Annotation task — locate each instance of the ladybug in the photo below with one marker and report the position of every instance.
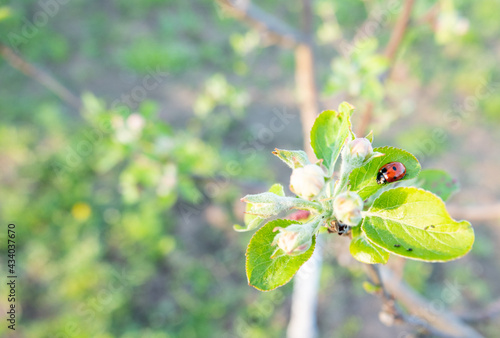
(391, 172)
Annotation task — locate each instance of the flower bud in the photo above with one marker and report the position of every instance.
(299, 215)
(360, 148)
(347, 207)
(307, 181)
(293, 240)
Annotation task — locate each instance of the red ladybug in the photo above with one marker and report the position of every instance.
(391, 172)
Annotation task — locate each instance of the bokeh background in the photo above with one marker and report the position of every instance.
(124, 184)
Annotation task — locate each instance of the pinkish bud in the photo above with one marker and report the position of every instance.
(299, 215)
(360, 148)
(307, 181)
(293, 240)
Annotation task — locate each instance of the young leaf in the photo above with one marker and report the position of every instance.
(438, 182)
(363, 180)
(364, 251)
(414, 223)
(329, 133)
(293, 158)
(253, 221)
(369, 137)
(268, 204)
(264, 273)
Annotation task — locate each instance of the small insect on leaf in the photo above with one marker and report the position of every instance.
(391, 172)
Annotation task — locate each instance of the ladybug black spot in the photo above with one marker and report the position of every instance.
(384, 170)
(394, 168)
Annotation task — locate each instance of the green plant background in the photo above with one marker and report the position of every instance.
(102, 254)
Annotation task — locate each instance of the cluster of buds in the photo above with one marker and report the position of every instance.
(307, 181)
(347, 208)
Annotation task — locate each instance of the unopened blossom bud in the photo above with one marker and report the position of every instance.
(360, 148)
(347, 207)
(307, 181)
(299, 215)
(293, 240)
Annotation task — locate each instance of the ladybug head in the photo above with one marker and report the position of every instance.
(381, 178)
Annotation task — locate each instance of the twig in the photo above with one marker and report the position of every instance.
(392, 312)
(399, 31)
(492, 311)
(305, 81)
(366, 119)
(477, 213)
(305, 292)
(305, 296)
(440, 320)
(431, 16)
(306, 92)
(279, 32)
(45, 79)
(390, 51)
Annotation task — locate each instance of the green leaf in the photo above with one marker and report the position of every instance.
(363, 180)
(411, 218)
(5, 12)
(329, 134)
(437, 181)
(364, 251)
(264, 273)
(371, 288)
(293, 158)
(253, 221)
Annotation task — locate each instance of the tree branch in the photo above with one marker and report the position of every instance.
(305, 81)
(477, 213)
(305, 296)
(390, 51)
(399, 31)
(306, 91)
(305, 290)
(392, 313)
(431, 16)
(439, 322)
(487, 314)
(366, 119)
(279, 32)
(45, 79)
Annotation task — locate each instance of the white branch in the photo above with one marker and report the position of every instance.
(305, 296)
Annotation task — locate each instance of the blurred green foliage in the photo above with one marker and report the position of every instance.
(109, 210)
